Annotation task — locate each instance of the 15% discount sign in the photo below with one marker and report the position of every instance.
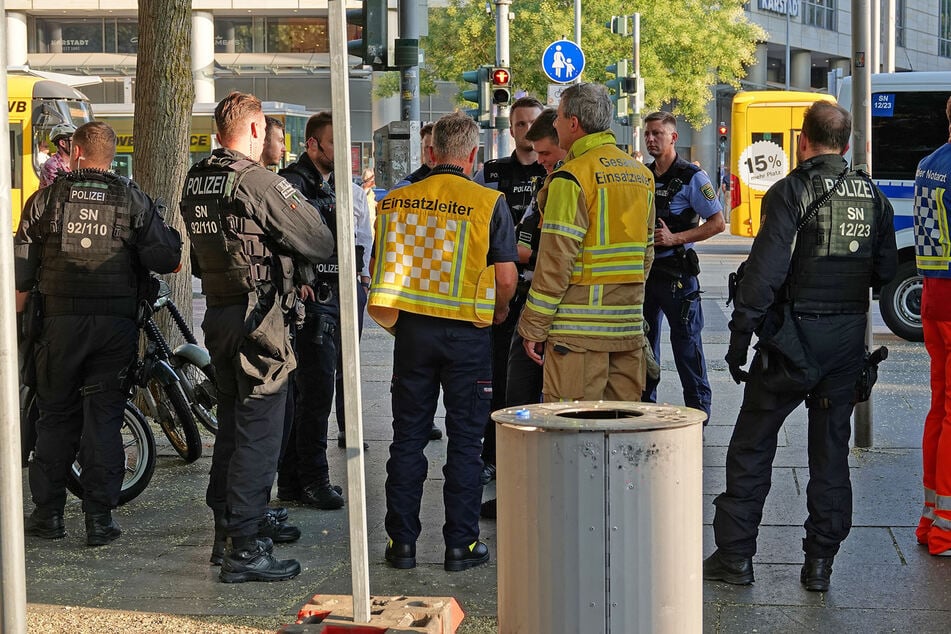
(762, 164)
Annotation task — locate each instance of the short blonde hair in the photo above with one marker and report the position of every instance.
(234, 111)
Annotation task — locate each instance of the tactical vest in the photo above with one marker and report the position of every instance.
(668, 186)
(518, 192)
(432, 245)
(84, 254)
(833, 260)
(228, 246)
(618, 190)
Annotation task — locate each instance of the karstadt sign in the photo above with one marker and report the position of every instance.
(779, 6)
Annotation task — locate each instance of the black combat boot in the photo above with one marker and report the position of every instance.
(733, 569)
(220, 544)
(475, 554)
(46, 524)
(250, 559)
(322, 496)
(101, 529)
(816, 574)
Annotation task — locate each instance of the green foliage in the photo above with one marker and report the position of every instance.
(686, 47)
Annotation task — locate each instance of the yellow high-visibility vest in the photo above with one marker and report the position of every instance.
(432, 240)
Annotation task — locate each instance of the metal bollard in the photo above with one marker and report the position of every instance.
(599, 518)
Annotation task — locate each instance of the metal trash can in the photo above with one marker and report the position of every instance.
(599, 518)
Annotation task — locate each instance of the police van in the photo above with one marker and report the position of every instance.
(908, 123)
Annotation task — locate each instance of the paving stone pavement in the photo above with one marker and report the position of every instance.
(883, 581)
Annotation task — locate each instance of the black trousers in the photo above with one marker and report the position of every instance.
(88, 353)
(501, 337)
(250, 424)
(305, 459)
(431, 352)
(838, 342)
(340, 396)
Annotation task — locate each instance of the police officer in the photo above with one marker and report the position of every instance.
(824, 272)
(304, 474)
(86, 242)
(249, 230)
(518, 177)
(684, 197)
(438, 305)
(523, 382)
(584, 308)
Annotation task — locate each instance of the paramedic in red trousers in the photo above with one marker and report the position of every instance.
(584, 308)
(685, 196)
(444, 270)
(823, 271)
(933, 256)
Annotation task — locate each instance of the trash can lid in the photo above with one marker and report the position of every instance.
(599, 416)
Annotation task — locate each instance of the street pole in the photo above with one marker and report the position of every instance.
(876, 37)
(578, 25)
(502, 17)
(409, 76)
(12, 558)
(350, 350)
(787, 46)
(862, 159)
(889, 36)
(639, 93)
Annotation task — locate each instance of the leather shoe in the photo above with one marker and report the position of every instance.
(730, 568)
(278, 512)
(475, 554)
(322, 496)
(400, 556)
(220, 546)
(101, 529)
(816, 574)
(488, 474)
(342, 442)
(279, 532)
(46, 525)
(250, 560)
(435, 433)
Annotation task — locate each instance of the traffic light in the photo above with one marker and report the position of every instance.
(722, 130)
(623, 91)
(619, 25)
(501, 86)
(370, 22)
(480, 94)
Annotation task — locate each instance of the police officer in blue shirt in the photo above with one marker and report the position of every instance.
(684, 196)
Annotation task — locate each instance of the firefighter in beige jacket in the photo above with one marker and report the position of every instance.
(582, 320)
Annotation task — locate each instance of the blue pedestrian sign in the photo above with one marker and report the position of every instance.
(563, 61)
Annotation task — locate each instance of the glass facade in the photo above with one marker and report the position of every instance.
(86, 35)
(944, 28)
(275, 35)
(819, 13)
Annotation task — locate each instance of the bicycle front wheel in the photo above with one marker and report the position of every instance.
(174, 415)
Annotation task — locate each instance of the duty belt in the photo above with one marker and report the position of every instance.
(109, 306)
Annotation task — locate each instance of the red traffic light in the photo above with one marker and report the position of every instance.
(501, 77)
(722, 130)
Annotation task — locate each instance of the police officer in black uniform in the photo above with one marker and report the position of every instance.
(304, 475)
(86, 242)
(824, 272)
(518, 177)
(250, 230)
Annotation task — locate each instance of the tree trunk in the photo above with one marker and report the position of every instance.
(164, 95)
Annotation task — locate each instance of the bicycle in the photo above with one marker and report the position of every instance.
(138, 443)
(178, 385)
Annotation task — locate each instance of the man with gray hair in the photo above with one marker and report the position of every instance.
(584, 308)
(445, 270)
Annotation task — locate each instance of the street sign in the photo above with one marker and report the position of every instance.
(563, 61)
(554, 94)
